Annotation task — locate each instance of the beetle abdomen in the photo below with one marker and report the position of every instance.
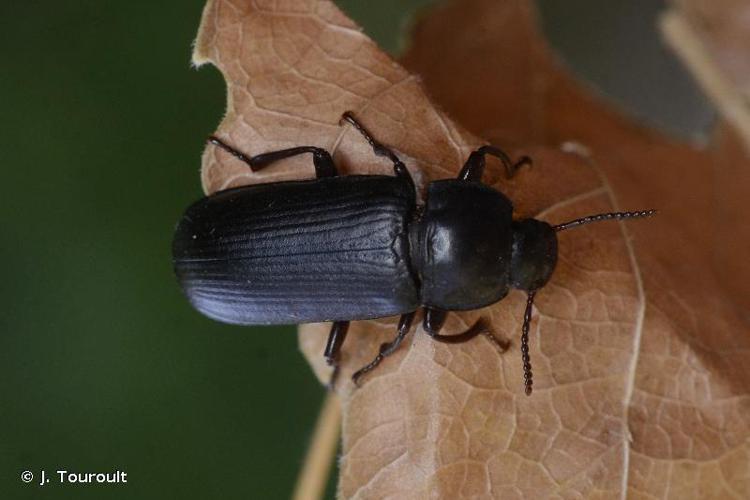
(294, 252)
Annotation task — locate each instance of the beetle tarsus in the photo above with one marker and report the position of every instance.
(404, 326)
(473, 169)
(501, 344)
(322, 160)
(480, 326)
(332, 352)
(521, 162)
(331, 385)
(398, 166)
(377, 147)
(212, 139)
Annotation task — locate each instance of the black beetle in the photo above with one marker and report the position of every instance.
(358, 247)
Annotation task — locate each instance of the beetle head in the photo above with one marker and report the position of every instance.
(533, 259)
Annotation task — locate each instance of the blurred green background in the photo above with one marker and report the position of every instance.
(104, 365)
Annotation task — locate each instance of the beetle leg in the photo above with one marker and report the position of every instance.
(433, 322)
(434, 319)
(332, 353)
(404, 325)
(324, 166)
(377, 148)
(398, 166)
(474, 166)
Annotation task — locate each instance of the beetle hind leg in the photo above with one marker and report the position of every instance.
(474, 166)
(404, 325)
(336, 338)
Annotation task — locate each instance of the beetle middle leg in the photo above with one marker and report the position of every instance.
(474, 166)
(434, 319)
(322, 160)
(336, 338)
(398, 166)
(404, 325)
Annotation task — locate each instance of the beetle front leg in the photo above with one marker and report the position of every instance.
(322, 160)
(404, 325)
(474, 166)
(435, 318)
(336, 338)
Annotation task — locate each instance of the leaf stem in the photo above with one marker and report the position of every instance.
(316, 468)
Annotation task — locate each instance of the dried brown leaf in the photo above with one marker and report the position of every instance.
(641, 385)
(713, 40)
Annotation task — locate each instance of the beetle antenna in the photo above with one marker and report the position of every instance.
(601, 217)
(527, 375)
